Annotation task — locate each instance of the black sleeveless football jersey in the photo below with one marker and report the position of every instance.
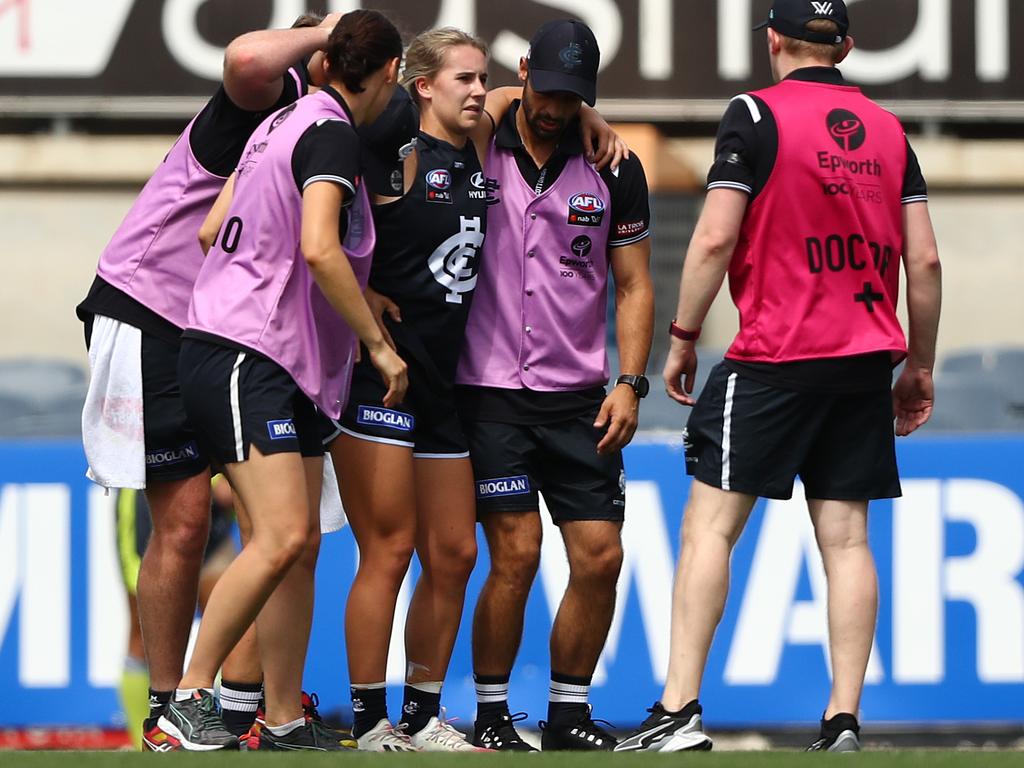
(429, 244)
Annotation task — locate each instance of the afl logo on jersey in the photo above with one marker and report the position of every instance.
(439, 184)
(586, 210)
(846, 130)
(455, 262)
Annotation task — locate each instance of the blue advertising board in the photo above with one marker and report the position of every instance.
(949, 646)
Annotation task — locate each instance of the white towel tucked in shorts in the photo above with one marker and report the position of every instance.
(112, 426)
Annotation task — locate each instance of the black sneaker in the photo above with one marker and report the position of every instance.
(500, 734)
(582, 735)
(310, 702)
(840, 733)
(310, 737)
(664, 732)
(196, 724)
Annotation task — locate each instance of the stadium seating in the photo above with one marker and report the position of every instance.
(980, 390)
(41, 398)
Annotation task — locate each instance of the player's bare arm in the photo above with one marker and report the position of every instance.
(215, 218)
(256, 62)
(634, 324)
(707, 261)
(322, 250)
(914, 392)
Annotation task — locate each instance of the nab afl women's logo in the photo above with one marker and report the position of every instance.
(846, 130)
(586, 210)
(439, 183)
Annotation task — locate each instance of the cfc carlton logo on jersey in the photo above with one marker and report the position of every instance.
(586, 210)
(454, 263)
(439, 184)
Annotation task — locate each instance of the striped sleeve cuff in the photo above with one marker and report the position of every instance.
(731, 185)
(335, 179)
(629, 240)
(914, 199)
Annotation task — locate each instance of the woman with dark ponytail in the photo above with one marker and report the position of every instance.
(272, 328)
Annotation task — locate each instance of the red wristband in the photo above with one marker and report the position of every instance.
(679, 333)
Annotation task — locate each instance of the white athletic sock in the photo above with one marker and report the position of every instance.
(284, 730)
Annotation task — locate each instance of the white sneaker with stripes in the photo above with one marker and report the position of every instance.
(439, 736)
(384, 737)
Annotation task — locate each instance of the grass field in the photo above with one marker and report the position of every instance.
(895, 759)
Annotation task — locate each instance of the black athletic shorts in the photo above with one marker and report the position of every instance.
(427, 421)
(512, 463)
(173, 451)
(237, 399)
(752, 438)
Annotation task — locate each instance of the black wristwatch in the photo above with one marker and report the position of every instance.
(639, 384)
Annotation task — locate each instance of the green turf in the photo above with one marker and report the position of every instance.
(923, 759)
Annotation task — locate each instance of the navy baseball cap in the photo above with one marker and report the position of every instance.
(790, 18)
(564, 56)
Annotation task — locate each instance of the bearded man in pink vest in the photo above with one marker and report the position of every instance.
(533, 373)
(814, 198)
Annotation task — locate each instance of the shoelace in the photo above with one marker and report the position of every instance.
(311, 710)
(505, 726)
(445, 734)
(209, 718)
(394, 732)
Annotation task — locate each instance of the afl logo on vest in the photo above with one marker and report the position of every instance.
(439, 183)
(846, 130)
(586, 210)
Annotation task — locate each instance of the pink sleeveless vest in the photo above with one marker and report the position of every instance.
(815, 273)
(255, 288)
(538, 319)
(154, 256)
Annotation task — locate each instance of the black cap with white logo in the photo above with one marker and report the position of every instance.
(564, 56)
(790, 18)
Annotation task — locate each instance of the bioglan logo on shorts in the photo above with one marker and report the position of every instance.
(502, 486)
(385, 417)
(282, 429)
(165, 457)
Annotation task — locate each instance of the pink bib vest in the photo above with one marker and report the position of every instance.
(154, 256)
(255, 288)
(815, 273)
(538, 319)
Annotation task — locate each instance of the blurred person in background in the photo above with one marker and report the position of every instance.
(134, 315)
(275, 315)
(133, 531)
(814, 198)
(533, 372)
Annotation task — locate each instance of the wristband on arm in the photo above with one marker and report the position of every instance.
(680, 333)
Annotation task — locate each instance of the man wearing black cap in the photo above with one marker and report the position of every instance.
(533, 373)
(813, 199)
